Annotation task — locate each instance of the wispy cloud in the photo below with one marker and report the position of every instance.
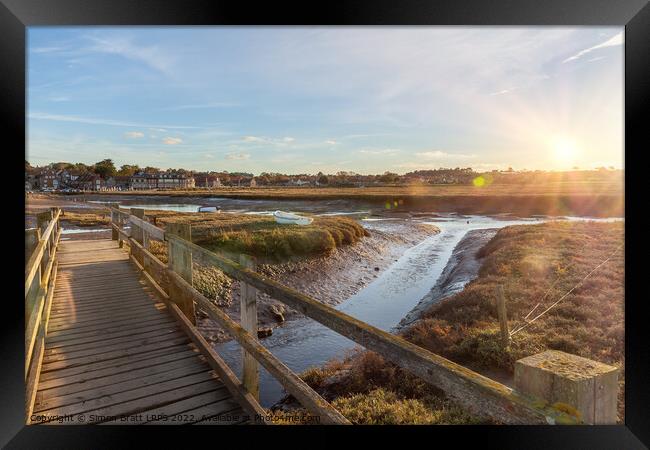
(152, 56)
(172, 141)
(383, 151)
(438, 154)
(134, 134)
(201, 106)
(96, 121)
(613, 41)
(331, 142)
(238, 156)
(253, 139)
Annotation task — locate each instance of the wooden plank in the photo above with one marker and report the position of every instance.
(309, 398)
(118, 353)
(478, 394)
(33, 374)
(96, 322)
(187, 407)
(153, 231)
(224, 412)
(114, 378)
(120, 387)
(90, 370)
(84, 319)
(70, 305)
(108, 351)
(147, 397)
(248, 308)
(106, 330)
(124, 336)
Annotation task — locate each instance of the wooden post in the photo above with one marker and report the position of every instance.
(503, 318)
(115, 235)
(32, 236)
(136, 231)
(585, 388)
(248, 302)
(180, 261)
(42, 221)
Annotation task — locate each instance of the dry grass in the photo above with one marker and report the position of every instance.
(87, 218)
(261, 236)
(537, 196)
(528, 261)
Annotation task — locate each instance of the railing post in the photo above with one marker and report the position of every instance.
(503, 318)
(42, 221)
(136, 231)
(248, 302)
(32, 236)
(115, 235)
(180, 261)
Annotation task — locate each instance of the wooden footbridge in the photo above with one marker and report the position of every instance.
(111, 337)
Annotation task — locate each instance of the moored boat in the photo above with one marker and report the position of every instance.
(209, 209)
(289, 218)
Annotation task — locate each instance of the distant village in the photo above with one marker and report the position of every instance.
(104, 176)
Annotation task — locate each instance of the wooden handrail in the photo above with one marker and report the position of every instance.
(35, 259)
(38, 307)
(475, 392)
(291, 382)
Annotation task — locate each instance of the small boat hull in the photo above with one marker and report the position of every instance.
(291, 219)
(214, 209)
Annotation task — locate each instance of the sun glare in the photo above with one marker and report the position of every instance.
(565, 151)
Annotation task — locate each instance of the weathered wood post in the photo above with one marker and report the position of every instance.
(180, 261)
(582, 387)
(503, 317)
(136, 231)
(115, 218)
(42, 221)
(32, 236)
(248, 303)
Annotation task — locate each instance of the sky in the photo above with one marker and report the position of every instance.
(310, 99)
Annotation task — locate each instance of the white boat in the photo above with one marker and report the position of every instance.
(288, 218)
(209, 209)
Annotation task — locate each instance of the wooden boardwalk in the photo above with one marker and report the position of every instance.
(112, 349)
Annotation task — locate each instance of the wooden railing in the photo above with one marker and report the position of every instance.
(478, 394)
(40, 276)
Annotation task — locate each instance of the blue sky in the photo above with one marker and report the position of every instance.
(309, 99)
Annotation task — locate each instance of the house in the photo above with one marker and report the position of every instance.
(162, 180)
(88, 181)
(252, 183)
(49, 178)
(207, 181)
(119, 183)
(68, 177)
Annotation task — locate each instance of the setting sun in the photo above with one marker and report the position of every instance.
(565, 151)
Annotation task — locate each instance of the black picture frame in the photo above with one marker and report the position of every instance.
(16, 15)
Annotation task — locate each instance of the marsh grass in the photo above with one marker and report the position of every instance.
(529, 262)
(261, 236)
(89, 218)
